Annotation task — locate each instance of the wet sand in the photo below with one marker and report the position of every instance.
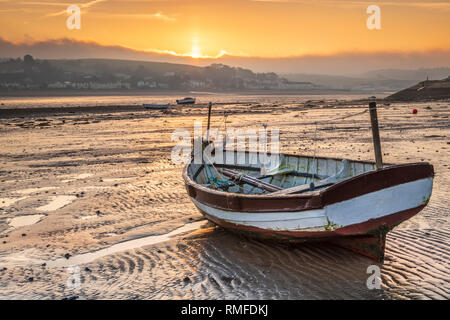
(95, 189)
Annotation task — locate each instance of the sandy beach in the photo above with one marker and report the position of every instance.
(91, 206)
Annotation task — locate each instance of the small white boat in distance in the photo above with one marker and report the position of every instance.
(155, 106)
(186, 101)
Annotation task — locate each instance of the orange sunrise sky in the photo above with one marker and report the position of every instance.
(265, 28)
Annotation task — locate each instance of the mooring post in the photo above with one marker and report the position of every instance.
(375, 134)
(209, 121)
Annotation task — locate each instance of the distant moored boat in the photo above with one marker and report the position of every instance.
(186, 101)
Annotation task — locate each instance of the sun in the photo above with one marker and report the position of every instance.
(196, 51)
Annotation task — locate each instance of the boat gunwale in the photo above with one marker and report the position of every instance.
(316, 193)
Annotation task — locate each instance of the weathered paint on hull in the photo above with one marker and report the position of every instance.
(338, 215)
(366, 238)
(348, 189)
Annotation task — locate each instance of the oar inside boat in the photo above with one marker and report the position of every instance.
(244, 178)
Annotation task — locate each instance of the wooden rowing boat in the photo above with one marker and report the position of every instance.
(186, 101)
(350, 203)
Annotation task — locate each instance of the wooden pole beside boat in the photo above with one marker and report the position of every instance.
(209, 121)
(375, 134)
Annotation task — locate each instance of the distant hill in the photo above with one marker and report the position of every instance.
(425, 90)
(111, 74)
(351, 83)
(28, 73)
(408, 74)
(376, 80)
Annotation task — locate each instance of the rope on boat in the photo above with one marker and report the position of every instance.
(349, 115)
(218, 182)
(342, 117)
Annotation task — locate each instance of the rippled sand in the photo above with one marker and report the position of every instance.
(114, 205)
